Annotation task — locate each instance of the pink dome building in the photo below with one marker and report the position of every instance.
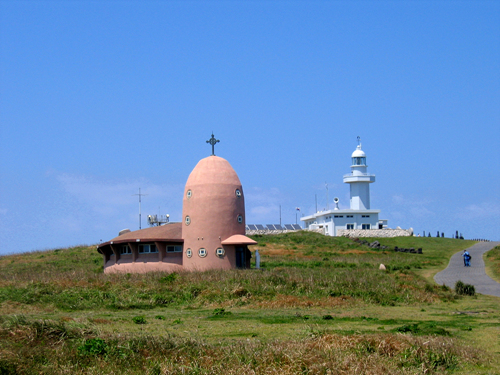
(213, 214)
(211, 235)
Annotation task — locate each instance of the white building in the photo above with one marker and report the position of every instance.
(359, 215)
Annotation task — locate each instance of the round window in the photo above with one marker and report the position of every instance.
(189, 193)
(189, 253)
(220, 252)
(240, 219)
(202, 253)
(238, 193)
(187, 220)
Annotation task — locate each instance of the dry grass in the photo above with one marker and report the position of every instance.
(277, 322)
(383, 353)
(492, 262)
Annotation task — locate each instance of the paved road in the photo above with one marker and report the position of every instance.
(474, 275)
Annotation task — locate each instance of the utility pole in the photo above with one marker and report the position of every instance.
(140, 195)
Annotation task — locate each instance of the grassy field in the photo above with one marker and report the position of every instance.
(492, 262)
(319, 305)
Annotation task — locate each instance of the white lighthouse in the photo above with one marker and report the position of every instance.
(359, 180)
(359, 215)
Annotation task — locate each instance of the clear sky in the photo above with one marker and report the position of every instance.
(101, 98)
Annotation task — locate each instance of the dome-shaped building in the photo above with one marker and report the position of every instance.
(213, 212)
(210, 236)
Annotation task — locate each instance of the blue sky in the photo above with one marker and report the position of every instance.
(101, 98)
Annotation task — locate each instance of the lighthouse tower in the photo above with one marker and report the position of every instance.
(359, 180)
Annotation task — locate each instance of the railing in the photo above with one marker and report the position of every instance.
(359, 175)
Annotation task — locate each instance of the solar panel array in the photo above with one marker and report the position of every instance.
(270, 227)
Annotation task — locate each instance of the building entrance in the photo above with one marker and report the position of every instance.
(243, 256)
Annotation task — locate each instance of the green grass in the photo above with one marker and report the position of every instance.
(319, 303)
(492, 262)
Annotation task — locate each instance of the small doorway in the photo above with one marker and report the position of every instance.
(242, 257)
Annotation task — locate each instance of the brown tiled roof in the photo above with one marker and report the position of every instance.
(169, 232)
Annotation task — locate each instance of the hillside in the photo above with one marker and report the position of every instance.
(318, 304)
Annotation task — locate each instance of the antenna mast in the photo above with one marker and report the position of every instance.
(327, 202)
(140, 195)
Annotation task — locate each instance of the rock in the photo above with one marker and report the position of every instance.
(381, 267)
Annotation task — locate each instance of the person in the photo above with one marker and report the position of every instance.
(467, 258)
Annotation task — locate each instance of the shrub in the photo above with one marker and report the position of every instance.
(221, 312)
(139, 320)
(93, 347)
(464, 289)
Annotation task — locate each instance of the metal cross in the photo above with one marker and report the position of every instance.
(213, 141)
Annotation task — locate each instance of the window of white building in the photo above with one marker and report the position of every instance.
(359, 161)
(365, 226)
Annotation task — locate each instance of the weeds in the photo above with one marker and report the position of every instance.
(306, 276)
(139, 320)
(220, 312)
(464, 289)
(93, 347)
(426, 328)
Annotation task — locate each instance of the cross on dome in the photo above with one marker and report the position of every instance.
(213, 141)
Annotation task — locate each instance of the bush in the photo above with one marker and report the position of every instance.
(464, 289)
(139, 320)
(221, 312)
(93, 347)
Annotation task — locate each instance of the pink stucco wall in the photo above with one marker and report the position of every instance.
(213, 209)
